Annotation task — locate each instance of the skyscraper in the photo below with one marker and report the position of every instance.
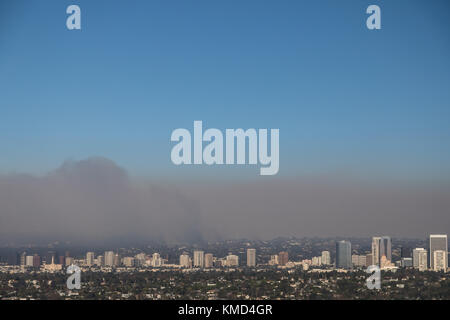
(100, 260)
(386, 248)
(251, 257)
(344, 254)
(420, 259)
(69, 261)
(185, 260)
(29, 261)
(109, 258)
(439, 260)
(326, 258)
(381, 246)
(438, 242)
(232, 260)
(36, 261)
(116, 261)
(376, 250)
(199, 259)
(208, 260)
(283, 258)
(156, 260)
(90, 259)
(23, 258)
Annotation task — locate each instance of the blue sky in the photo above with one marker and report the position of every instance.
(346, 99)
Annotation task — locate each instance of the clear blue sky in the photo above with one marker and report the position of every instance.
(344, 98)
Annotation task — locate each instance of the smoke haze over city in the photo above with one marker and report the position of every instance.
(95, 200)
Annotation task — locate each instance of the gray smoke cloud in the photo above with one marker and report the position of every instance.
(94, 200)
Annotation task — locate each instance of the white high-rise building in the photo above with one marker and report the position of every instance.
(251, 257)
(156, 260)
(381, 246)
(232, 260)
(420, 259)
(29, 261)
(185, 261)
(376, 242)
(90, 259)
(438, 242)
(326, 258)
(199, 259)
(439, 260)
(109, 258)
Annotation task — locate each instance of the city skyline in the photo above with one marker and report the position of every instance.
(434, 258)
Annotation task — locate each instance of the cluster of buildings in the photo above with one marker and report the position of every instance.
(207, 260)
(434, 258)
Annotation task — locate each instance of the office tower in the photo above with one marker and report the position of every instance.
(369, 259)
(69, 261)
(376, 250)
(23, 259)
(90, 259)
(100, 261)
(185, 261)
(283, 258)
(208, 260)
(381, 246)
(199, 259)
(359, 260)
(116, 261)
(232, 260)
(420, 260)
(326, 258)
(109, 258)
(386, 248)
(362, 261)
(439, 258)
(62, 260)
(36, 261)
(343, 254)
(438, 242)
(251, 257)
(29, 261)
(156, 260)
